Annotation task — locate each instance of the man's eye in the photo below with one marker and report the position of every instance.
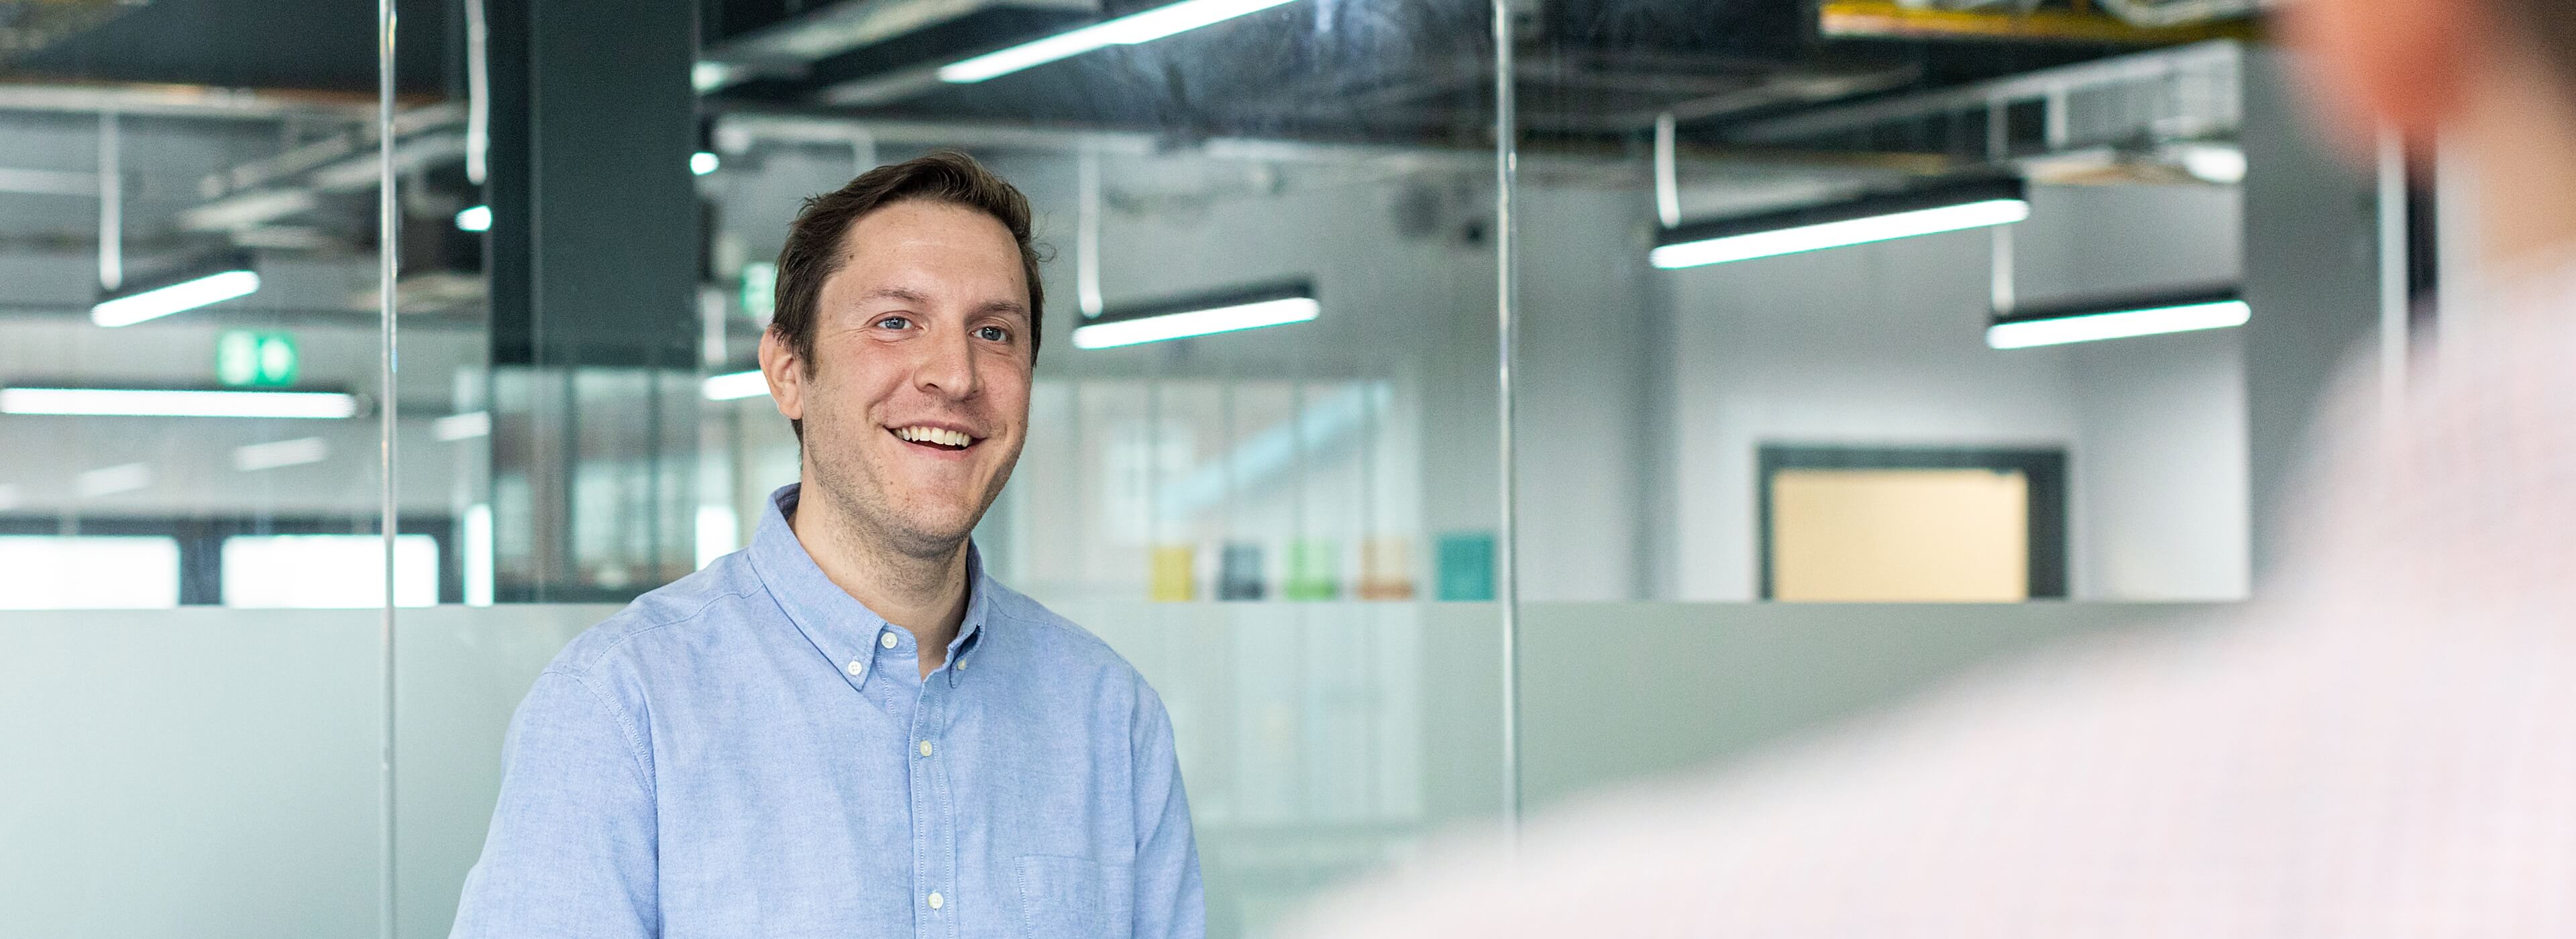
(895, 322)
(993, 333)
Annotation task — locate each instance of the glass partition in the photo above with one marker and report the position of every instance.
(189, 412)
(1288, 529)
(1902, 320)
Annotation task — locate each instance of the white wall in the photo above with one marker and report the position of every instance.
(1586, 429)
(1883, 345)
(2161, 483)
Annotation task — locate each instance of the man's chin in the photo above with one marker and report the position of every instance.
(917, 528)
(925, 535)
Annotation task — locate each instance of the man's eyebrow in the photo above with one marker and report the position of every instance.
(1004, 306)
(903, 294)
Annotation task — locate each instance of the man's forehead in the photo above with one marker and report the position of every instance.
(925, 258)
(920, 224)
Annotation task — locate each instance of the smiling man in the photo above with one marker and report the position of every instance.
(846, 728)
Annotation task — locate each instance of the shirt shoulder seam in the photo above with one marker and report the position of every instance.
(642, 764)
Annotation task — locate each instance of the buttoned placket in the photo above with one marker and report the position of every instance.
(875, 673)
(933, 809)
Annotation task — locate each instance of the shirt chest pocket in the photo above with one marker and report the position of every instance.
(1075, 898)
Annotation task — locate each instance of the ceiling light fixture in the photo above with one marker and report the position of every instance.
(474, 218)
(2220, 164)
(1953, 206)
(2091, 322)
(165, 296)
(703, 162)
(733, 386)
(1127, 30)
(1249, 308)
(710, 76)
(149, 402)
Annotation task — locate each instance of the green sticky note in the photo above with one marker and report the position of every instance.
(1314, 570)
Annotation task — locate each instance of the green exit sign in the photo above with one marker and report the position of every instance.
(246, 358)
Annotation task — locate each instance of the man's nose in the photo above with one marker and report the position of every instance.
(947, 366)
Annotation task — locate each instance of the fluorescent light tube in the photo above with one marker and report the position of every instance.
(1883, 217)
(2058, 329)
(466, 426)
(710, 76)
(1127, 30)
(278, 454)
(474, 218)
(479, 568)
(703, 162)
(1247, 309)
(108, 481)
(182, 296)
(734, 386)
(1840, 234)
(138, 402)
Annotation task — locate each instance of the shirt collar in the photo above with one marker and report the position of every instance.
(844, 630)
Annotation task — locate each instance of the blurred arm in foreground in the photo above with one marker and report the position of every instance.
(2384, 744)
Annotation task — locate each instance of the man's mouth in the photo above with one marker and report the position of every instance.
(937, 438)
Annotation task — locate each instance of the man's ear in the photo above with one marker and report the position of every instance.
(786, 374)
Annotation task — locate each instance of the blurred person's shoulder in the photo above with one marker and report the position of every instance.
(2185, 780)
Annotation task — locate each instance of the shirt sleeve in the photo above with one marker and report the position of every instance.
(571, 850)
(1170, 902)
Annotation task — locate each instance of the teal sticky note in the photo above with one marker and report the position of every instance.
(1467, 566)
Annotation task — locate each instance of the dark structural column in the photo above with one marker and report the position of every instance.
(594, 261)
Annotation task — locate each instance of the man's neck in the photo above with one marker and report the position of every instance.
(925, 596)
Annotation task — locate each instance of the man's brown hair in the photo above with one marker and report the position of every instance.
(813, 249)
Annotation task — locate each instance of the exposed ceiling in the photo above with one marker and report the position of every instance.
(277, 45)
(1591, 77)
(1415, 71)
(1382, 70)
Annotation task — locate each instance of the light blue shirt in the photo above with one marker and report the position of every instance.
(750, 752)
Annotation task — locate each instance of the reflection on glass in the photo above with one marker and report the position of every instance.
(96, 572)
(327, 571)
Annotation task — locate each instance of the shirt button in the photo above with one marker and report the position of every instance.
(886, 640)
(925, 748)
(935, 901)
(961, 663)
(857, 666)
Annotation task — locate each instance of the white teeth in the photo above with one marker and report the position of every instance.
(935, 435)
